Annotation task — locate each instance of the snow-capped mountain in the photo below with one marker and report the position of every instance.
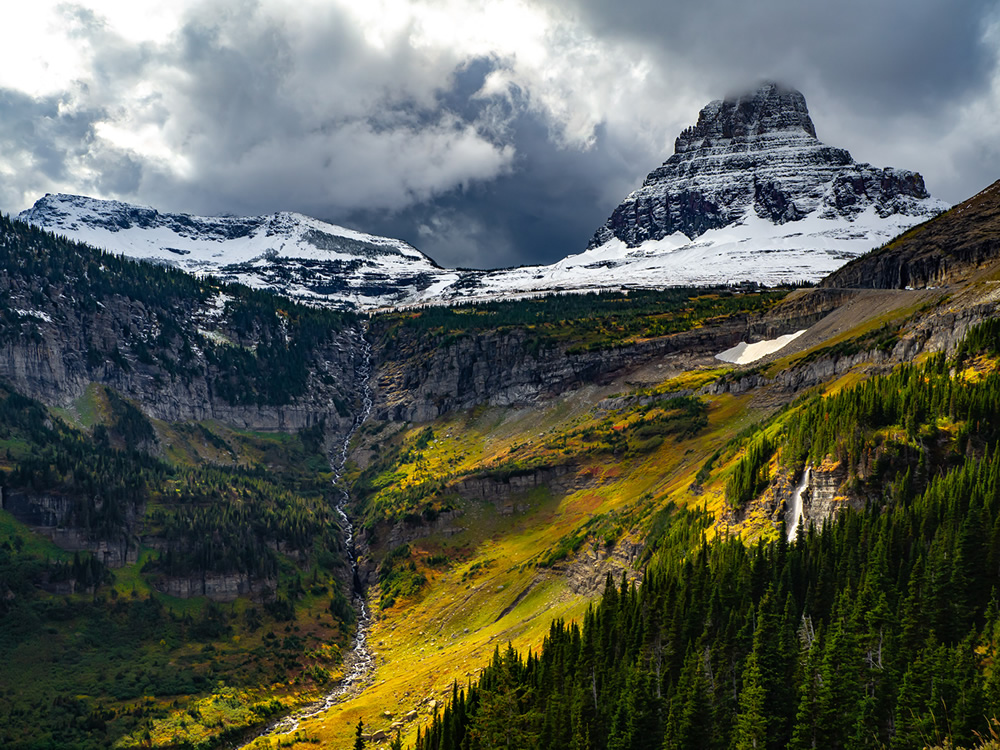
(304, 258)
(750, 194)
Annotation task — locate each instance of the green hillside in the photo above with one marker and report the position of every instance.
(881, 630)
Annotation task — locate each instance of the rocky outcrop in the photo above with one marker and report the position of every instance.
(42, 510)
(418, 379)
(824, 495)
(216, 586)
(587, 573)
(402, 532)
(56, 518)
(62, 346)
(945, 250)
(507, 493)
(757, 154)
(800, 309)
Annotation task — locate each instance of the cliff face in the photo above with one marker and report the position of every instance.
(181, 348)
(53, 516)
(417, 380)
(217, 587)
(945, 250)
(53, 367)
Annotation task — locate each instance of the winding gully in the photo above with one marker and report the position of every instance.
(359, 661)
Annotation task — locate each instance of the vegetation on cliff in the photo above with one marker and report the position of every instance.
(881, 630)
(102, 652)
(126, 316)
(585, 322)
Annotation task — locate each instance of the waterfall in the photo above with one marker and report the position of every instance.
(796, 509)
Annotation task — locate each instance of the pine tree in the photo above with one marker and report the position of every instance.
(751, 721)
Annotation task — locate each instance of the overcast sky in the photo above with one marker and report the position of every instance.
(487, 133)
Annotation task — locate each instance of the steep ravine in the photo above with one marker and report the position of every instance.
(359, 661)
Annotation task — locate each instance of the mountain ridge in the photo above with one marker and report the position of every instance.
(303, 257)
(514, 459)
(750, 194)
(947, 249)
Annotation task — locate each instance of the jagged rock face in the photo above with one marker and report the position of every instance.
(55, 517)
(52, 364)
(759, 153)
(418, 379)
(216, 586)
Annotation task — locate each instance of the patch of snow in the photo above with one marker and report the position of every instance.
(34, 314)
(744, 353)
(218, 305)
(215, 337)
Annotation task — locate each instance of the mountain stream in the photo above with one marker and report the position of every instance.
(359, 662)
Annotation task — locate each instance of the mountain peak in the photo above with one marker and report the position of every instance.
(756, 156)
(770, 109)
(309, 259)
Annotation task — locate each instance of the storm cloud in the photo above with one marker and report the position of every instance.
(486, 134)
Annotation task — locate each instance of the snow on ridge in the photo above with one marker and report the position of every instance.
(185, 240)
(279, 253)
(750, 249)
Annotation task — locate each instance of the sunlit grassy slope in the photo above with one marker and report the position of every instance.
(496, 521)
(610, 464)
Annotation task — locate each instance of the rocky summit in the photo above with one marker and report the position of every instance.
(758, 154)
(751, 192)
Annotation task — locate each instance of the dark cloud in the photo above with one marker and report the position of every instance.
(546, 208)
(889, 56)
(311, 119)
(487, 157)
(41, 139)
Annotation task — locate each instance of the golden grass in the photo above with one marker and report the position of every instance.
(493, 591)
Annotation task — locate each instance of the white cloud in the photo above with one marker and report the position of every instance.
(194, 90)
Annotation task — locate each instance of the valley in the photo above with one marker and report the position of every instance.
(516, 458)
(498, 520)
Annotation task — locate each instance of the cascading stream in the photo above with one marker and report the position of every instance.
(359, 662)
(796, 511)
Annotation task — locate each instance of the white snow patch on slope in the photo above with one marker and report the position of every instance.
(744, 353)
(34, 314)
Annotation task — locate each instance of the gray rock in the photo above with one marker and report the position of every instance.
(757, 151)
